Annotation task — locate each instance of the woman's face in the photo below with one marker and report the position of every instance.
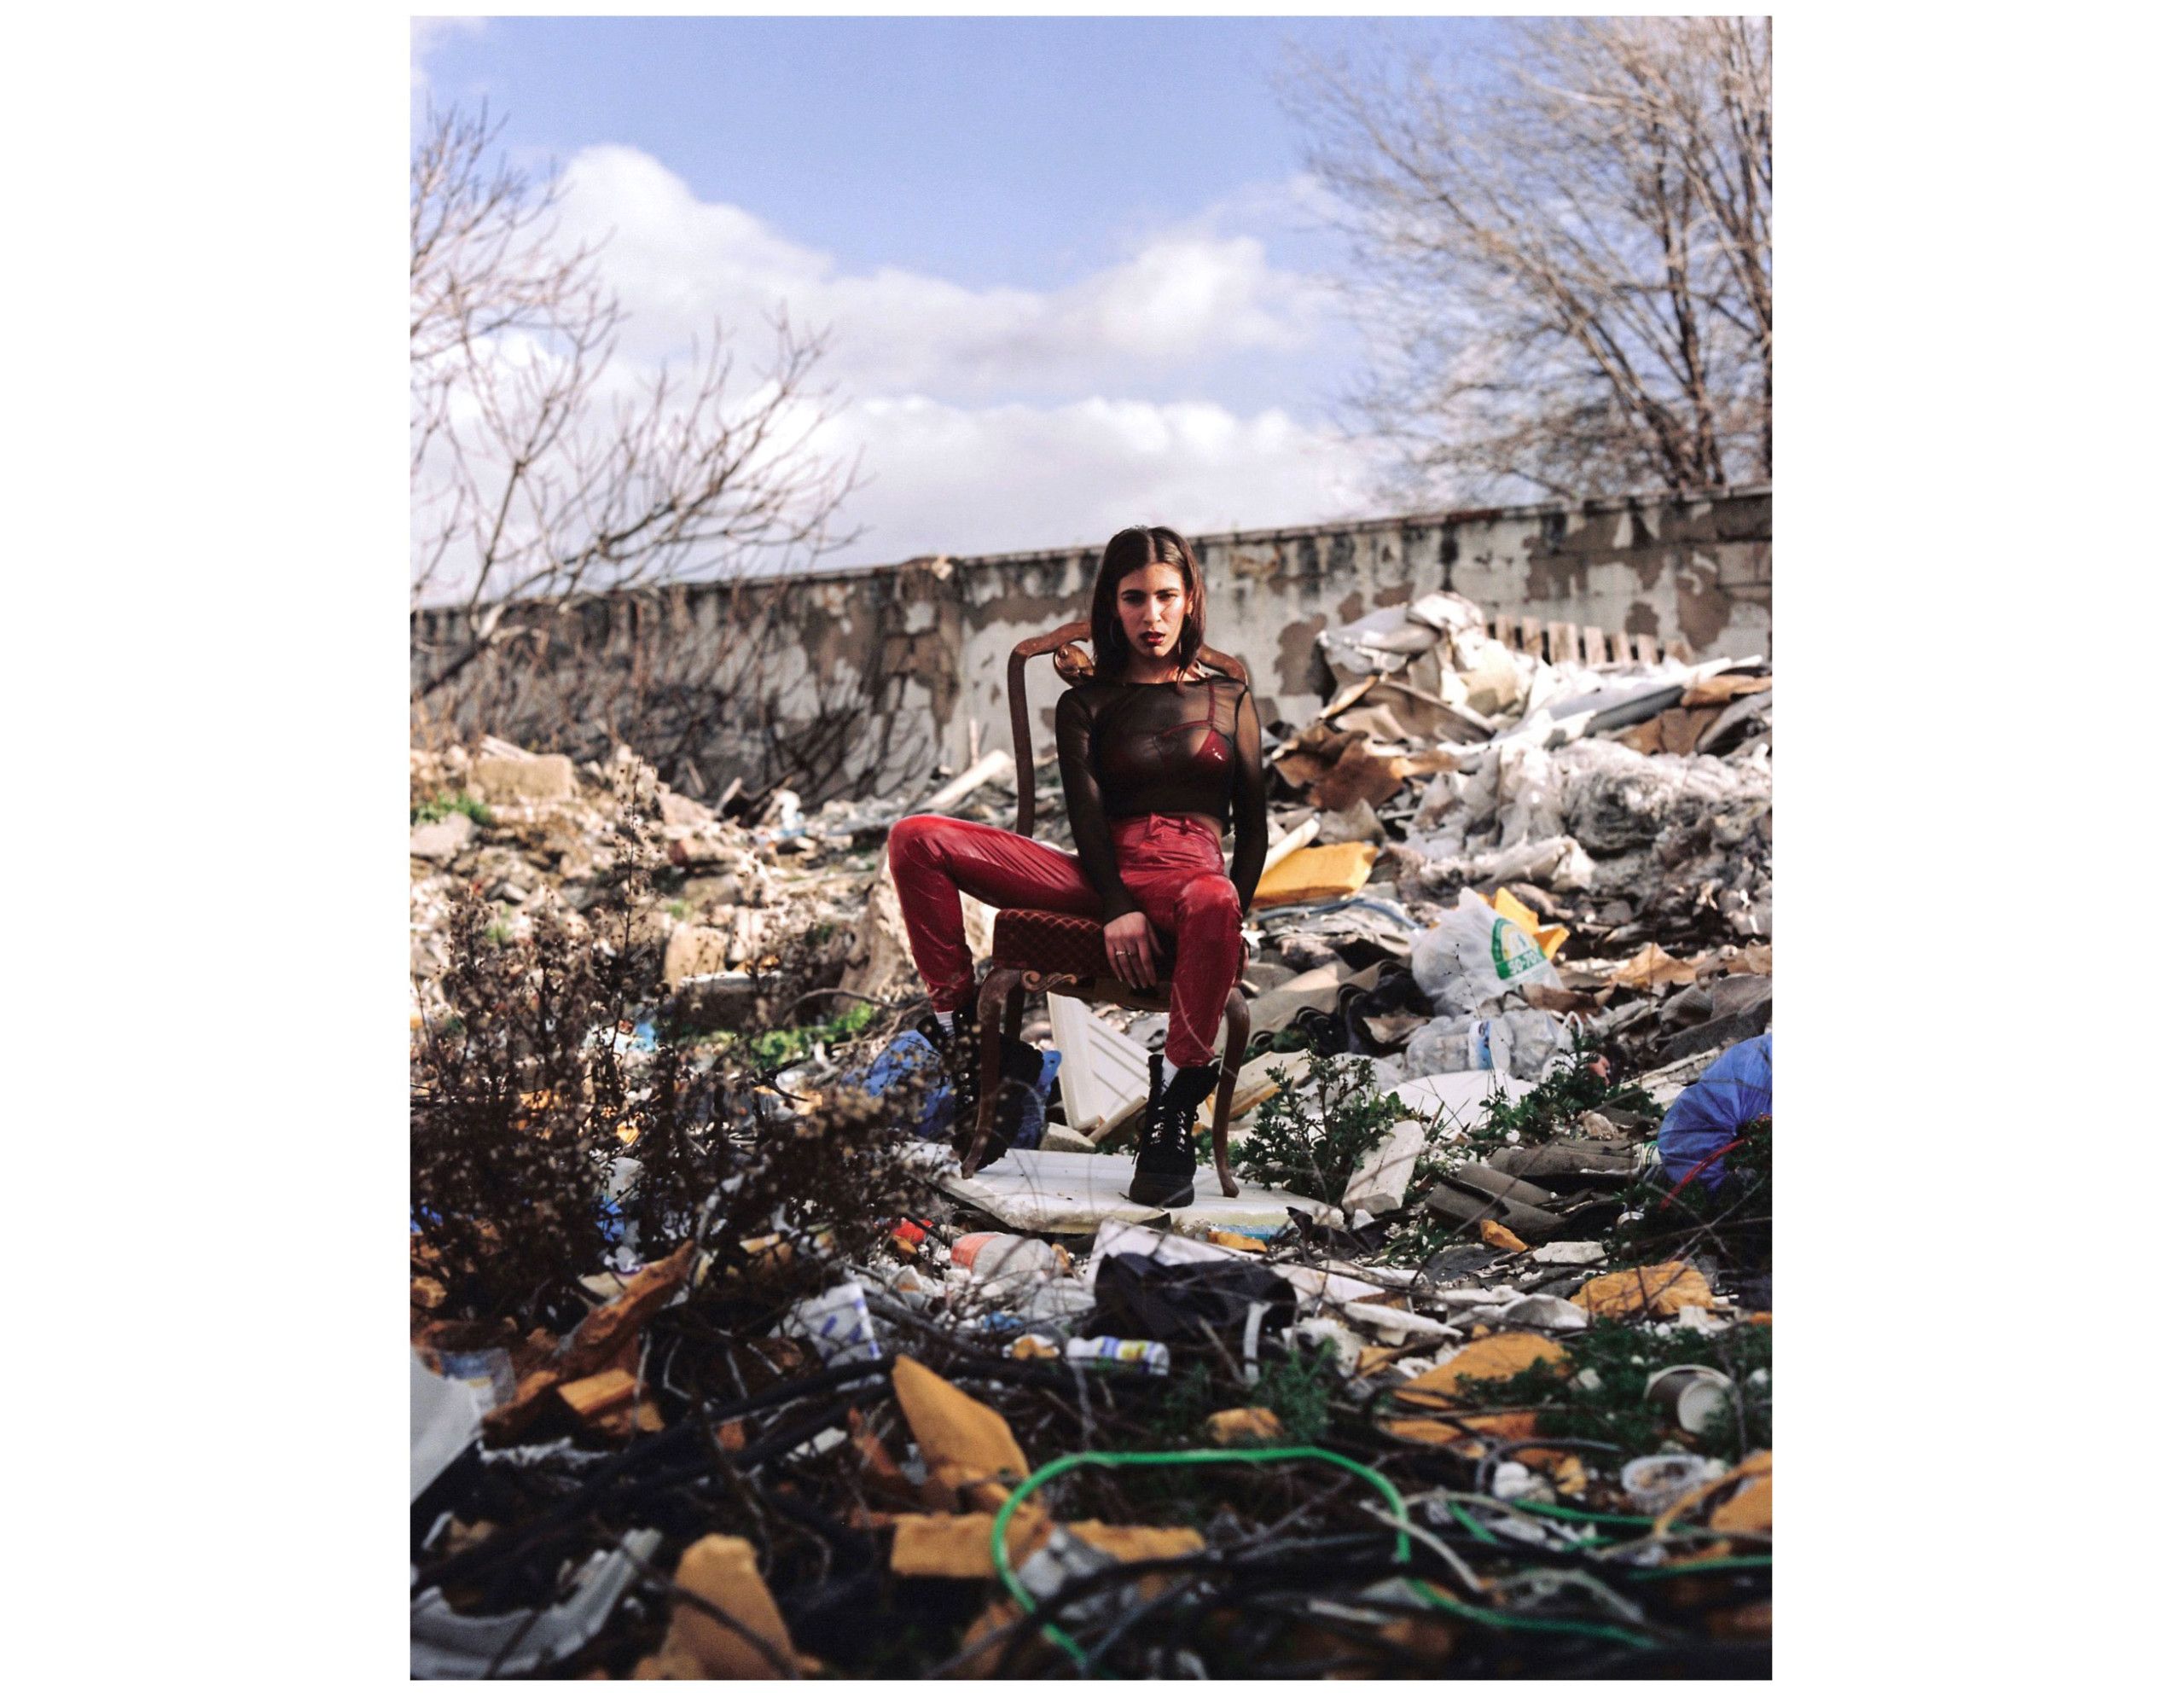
(1151, 602)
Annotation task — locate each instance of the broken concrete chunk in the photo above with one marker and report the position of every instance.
(442, 838)
(540, 777)
(879, 963)
(717, 1002)
(1379, 1184)
(694, 950)
(1570, 1254)
(1469, 1208)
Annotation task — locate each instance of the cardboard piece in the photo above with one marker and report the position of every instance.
(1316, 875)
(1550, 937)
(965, 1443)
(602, 1393)
(1752, 1508)
(1244, 1426)
(960, 1546)
(724, 1571)
(1658, 1290)
(1060, 1192)
(1650, 967)
(1502, 1356)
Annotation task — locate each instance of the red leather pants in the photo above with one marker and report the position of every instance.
(1172, 866)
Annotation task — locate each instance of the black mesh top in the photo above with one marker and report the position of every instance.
(1189, 746)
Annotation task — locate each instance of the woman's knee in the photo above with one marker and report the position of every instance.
(1211, 898)
(911, 838)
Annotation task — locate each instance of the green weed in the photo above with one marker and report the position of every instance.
(1599, 1392)
(439, 806)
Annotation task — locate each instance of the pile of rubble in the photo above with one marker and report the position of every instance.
(1472, 1377)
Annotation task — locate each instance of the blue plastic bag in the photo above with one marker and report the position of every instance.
(1736, 1088)
(910, 1053)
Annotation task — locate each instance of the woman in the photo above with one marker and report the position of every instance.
(1159, 755)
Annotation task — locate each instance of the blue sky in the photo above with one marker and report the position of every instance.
(1071, 265)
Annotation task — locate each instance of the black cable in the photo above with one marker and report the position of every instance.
(612, 1483)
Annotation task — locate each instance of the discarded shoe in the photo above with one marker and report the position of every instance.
(1165, 1160)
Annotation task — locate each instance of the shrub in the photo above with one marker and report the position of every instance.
(1313, 1132)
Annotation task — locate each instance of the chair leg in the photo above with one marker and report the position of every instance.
(1000, 981)
(1238, 1018)
(1014, 1024)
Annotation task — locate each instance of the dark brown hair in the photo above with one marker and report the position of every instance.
(1133, 550)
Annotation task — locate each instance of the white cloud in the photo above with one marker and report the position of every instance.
(994, 420)
(1185, 297)
(996, 479)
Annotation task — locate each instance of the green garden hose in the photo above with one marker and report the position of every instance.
(1182, 1458)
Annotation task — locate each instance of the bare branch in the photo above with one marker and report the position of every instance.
(1565, 274)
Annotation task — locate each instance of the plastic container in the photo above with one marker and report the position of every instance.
(490, 1373)
(1653, 1483)
(1134, 1354)
(1003, 1258)
(838, 1324)
(1694, 1396)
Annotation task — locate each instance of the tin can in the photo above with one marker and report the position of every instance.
(1136, 1355)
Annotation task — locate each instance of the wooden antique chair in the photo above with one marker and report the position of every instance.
(1064, 955)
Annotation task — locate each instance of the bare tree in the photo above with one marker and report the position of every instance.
(1564, 269)
(544, 473)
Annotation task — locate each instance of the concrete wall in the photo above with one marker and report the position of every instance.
(869, 677)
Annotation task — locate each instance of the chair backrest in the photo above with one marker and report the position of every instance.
(1019, 717)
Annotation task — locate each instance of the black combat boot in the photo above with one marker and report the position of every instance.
(959, 1058)
(958, 1051)
(1165, 1160)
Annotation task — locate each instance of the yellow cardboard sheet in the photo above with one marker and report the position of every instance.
(1317, 874)
(1550, 937)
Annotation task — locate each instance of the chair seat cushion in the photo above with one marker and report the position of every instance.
(1033, 941)
(1049, 942)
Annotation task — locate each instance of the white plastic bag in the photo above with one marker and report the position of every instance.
(1472, 955)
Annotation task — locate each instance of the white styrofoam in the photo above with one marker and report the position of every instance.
(1462, 1095)
(1060, 1191)
(1100, 1068)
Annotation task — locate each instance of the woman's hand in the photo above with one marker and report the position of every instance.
(1130, 951)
